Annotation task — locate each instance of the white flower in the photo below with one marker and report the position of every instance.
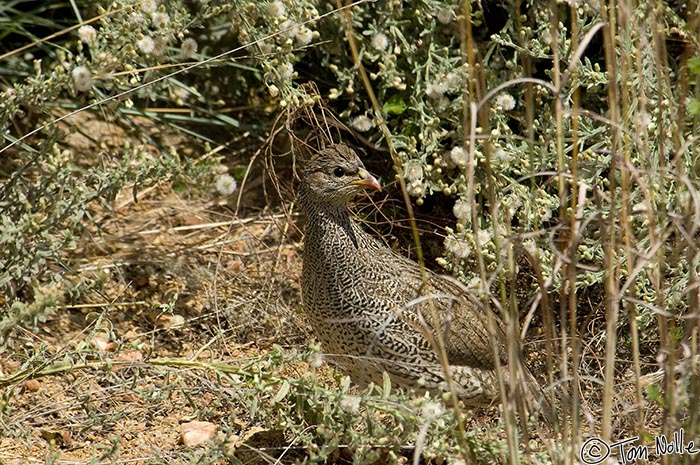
(545, 213)
(266, 47)
(462, 210)
(160, 46)
(445, 16)
(82, 79)
(276, 9)
(87, 34)
(350, 404)
(226, 184)
(530, 246)
(434, 90)
(457, 247)
(274, 90)
(441, 103)
(288, 29)
(304, 36)
(188, 47)
(380, 41)
(432, 411)
(181, 94)
(478, 286)
(453, 80)
(502, 157)
(136, 18)
(160, 20)
(413, 170)
(459, 156)
(149, 6)
(362, 123)
(416, 188)
(437, 88)
(317, 360)
(285, 70)
(146, 45)
(505, 102)
(483, 237)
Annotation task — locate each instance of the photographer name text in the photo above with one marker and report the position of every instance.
(595, 450)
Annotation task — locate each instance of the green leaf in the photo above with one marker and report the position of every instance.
(694, 65)
(411, 130)
(387, 384)
(653, 392)
(345, 384)
(282, 393)
(694, 106)
(395, 105)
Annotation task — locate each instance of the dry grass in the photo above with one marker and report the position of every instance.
(184, 281)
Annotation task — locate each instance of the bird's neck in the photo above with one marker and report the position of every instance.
(331, 220)
(325, 219)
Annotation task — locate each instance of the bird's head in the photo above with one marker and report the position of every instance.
(335, 175)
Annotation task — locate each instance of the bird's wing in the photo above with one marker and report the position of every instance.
(464, 325)
(439, 304)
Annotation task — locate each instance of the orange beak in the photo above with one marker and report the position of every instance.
(367, 181)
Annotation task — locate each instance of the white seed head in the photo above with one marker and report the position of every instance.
(457, 247)
(188, 48)
(380, 42)
(288, 29)
(462, 210)
(530, 246)
(362, 123)
(545, 213)
(413, 170)
(304, 36)
(453, 80)
(136, 18)
(416, 188)
(82, 78)
(285, 71)
(483, 237)
(276, 9)
(437, 87)
(149, 6)
(160, 46)
(459, 156)
(317, 360)
(432, 411)
(502, 157)
(160, 20)
(146, 45)
(350, 404)
(226, 184)
(505, 102)
(87, 34)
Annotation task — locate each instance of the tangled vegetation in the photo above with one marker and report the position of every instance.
(551, 145)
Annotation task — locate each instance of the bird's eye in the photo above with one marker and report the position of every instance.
(338, 172)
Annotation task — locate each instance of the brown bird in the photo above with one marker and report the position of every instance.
(373, 310)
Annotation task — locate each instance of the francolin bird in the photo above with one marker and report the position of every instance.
(374, 310)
